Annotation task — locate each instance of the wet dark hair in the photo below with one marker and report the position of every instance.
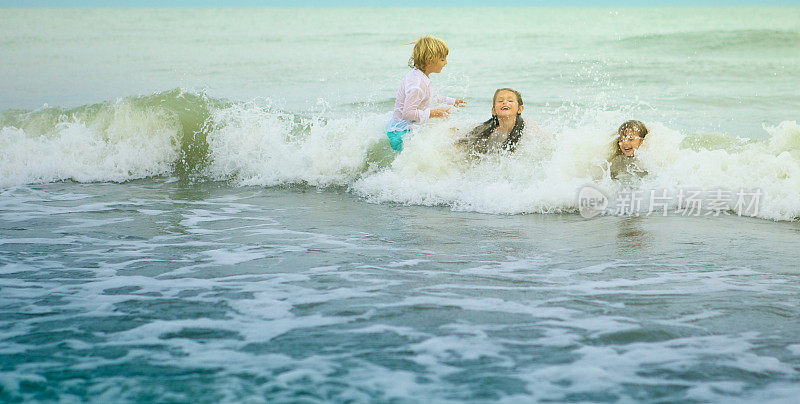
(482, 132)
(634, 125)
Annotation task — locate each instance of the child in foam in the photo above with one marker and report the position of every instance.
(412, 105)
(623, 161)
(504, 129)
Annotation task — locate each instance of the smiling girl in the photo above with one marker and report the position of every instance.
(630, 136)
(504, 129)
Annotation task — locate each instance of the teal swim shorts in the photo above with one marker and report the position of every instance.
(396, 138)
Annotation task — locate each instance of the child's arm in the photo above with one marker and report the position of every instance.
(458, 102)
(412, 108)
(413, 111)
(440, 112)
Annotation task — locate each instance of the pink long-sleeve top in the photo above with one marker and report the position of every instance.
(412, 105)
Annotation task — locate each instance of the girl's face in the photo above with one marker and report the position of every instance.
(506, 105)
(629, 142)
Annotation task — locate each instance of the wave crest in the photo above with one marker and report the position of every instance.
(254, 144)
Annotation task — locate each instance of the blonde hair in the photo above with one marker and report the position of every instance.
(427, 49)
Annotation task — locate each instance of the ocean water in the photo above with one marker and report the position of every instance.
(201, 205)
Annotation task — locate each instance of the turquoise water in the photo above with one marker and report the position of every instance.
(200, 205)
(158, 291)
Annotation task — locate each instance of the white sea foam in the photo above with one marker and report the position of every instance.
(251, 144)
(606, 368)
(256, 146)
(443, 353)
(119, 144)
(546, 172)
(795, 348)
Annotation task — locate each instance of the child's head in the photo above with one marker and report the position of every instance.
(427, 50)
(631, 135)
(506, 103)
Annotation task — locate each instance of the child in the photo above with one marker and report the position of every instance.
(631, 135)
(412, 105)
(504, 129)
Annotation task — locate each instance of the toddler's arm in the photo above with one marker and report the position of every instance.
(458, 102)
(440, 112)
